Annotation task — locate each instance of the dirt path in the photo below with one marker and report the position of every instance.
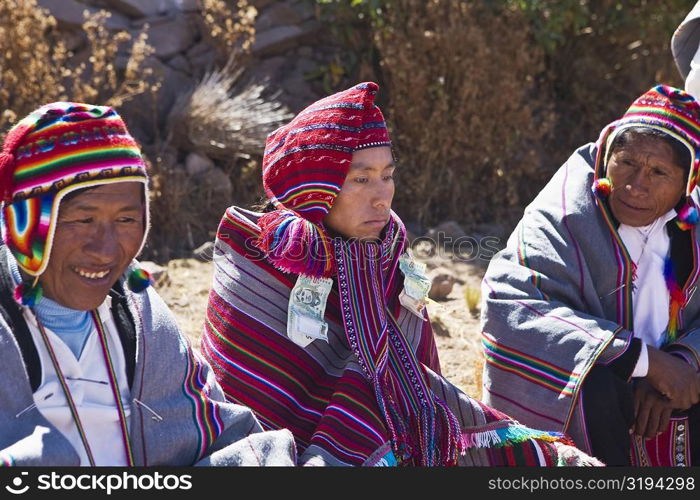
(457, 330)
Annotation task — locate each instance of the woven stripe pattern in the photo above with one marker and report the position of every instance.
(59, 148)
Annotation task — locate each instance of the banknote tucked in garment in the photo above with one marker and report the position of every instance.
(307, 307)
(416, 285)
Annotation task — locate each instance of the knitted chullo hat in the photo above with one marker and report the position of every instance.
(671, 111)
(57, 149)
(304, 168)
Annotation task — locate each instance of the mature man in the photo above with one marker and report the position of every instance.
(590, 321)
(95, 371)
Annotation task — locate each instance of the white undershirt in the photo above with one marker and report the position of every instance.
(648, 247)
(692, 81)
(94, 400)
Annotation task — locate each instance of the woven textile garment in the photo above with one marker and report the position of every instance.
(558, 298)
(178, 413)
(319, 392)
(556, 303)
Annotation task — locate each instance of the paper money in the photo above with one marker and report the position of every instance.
(416, 285)
(307, 307)
(414, 305)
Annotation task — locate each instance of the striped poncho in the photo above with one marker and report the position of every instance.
(320, 392)
(558, 299)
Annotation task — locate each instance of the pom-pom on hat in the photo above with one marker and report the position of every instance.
(669, 110)
(304, 168)
(57, 149)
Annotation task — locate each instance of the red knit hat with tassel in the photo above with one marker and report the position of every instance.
(304, 168)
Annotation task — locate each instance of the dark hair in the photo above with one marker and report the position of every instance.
(80, 191)
(263, 205)
(77, 192)
(681, 154)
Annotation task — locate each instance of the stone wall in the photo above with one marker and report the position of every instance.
(290, 56)
(290, 49)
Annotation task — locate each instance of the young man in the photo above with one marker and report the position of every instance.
(317, 317)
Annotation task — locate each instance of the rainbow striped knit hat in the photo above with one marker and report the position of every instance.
(669, 110)
(304, 168)
(57, 149)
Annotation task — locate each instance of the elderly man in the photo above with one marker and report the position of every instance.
(590, 321)
(317, 317)
(95, 371)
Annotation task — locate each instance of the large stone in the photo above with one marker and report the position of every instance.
(69, 15)
(447, 234)
(187, 5)
(297, 93)
(173, 36)
(439, 327)
(278, 39)
(270, 67)
(279, 14)
(180, 63)
(173, 84)
(305, 51)
(442, 284)
(217, 182)
(260, 4)
(198, 49)
(196, 163)
(275, 40)
(141, 108)
(140, 8)
(306, 65)
(305, 10)
(201, 57)
(74, 40)
(204, 252)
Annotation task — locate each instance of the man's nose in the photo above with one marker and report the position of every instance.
(639, 182)
(383, 195)
(103, 245)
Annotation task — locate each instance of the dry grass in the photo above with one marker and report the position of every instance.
(224, 117)
(228, 31)
(36, 67)
(185, 210)
(461, 79)
(226, 120)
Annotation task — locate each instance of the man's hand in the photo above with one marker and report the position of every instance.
(673, 378)
(651, 410)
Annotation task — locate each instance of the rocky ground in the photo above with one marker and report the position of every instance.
(186, 282)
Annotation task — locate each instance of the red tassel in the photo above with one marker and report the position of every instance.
(296, 245)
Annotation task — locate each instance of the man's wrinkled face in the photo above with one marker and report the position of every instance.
(363, 207)
(647, 180)
(98, 233)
